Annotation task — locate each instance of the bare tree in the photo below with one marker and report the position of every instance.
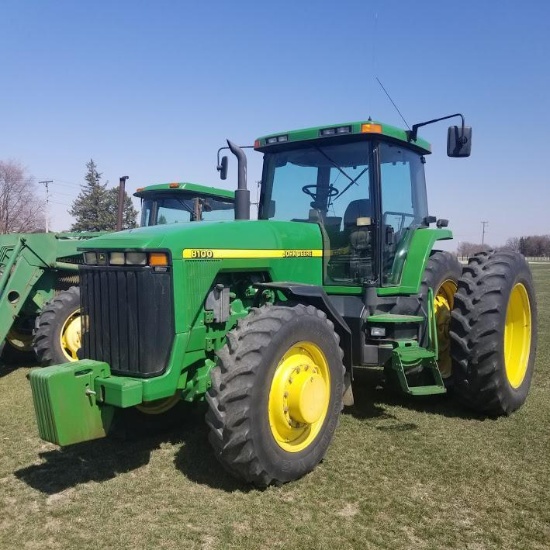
(466, 249)
(512, 244)
(535, 245)
(20, 209)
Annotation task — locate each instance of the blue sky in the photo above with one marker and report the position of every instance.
(152, 89)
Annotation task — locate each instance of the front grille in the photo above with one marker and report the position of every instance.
(127, 318)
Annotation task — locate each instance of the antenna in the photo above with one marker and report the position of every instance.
(393, 103)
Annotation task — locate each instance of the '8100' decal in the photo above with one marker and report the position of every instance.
(229, 254)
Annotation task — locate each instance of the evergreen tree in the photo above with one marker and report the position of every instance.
(96, 207)
(129, 213)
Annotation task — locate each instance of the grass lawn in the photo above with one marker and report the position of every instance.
(400, 474)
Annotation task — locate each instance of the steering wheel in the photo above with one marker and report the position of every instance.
(308, 190)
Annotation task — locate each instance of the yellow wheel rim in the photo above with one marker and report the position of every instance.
(70, 337)
(299, 397)
(159, 406)
(21, 341)
(517, 336)
(443, 305)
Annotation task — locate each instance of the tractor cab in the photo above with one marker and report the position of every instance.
(168, 203)
(362, 186)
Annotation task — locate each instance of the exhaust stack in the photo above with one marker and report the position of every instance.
(242, 194)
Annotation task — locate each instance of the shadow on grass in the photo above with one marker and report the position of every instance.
(196, 460)
(91, 461)
(7, 369)
(133, 441)
(372, 400)
(129, 448)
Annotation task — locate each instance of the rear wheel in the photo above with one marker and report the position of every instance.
(57, 337)
(441, 275)
(276, 394)
(494, 333)
(443, 270)
(17, 347)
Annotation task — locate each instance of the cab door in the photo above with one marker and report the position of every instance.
(404, 206)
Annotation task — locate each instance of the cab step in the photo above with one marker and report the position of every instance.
(408, 358)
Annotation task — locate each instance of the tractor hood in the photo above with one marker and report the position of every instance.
(227, 235)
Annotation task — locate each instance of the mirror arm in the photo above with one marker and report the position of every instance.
(413, 134)
(219, 166)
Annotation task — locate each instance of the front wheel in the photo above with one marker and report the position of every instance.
(276, 394)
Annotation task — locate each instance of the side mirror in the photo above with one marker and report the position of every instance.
(459, 143)
(222, 168)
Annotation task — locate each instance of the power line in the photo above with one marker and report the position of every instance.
(64, 194)
(65, 183)
(67, 186)
(71, 183)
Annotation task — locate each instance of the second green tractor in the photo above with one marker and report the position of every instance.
(39, 279)
(269, 320)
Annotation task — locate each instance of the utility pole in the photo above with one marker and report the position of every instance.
(47, 183)
(483, 224)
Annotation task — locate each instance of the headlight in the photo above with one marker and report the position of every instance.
(156, 260)
(136, 258)
(116, 258)
(90, 258)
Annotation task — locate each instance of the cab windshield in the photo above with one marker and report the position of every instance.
(333, 186)
(162, 209)
(315, 181)
(329, 185)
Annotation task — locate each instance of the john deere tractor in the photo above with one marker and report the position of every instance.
(269, 319)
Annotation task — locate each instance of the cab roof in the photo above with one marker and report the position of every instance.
(195, 188)
(337, 132)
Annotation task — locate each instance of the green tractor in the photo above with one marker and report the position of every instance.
(39, 292)
(269, 319)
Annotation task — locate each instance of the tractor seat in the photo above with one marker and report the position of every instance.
(360, 208)
(358, 233)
